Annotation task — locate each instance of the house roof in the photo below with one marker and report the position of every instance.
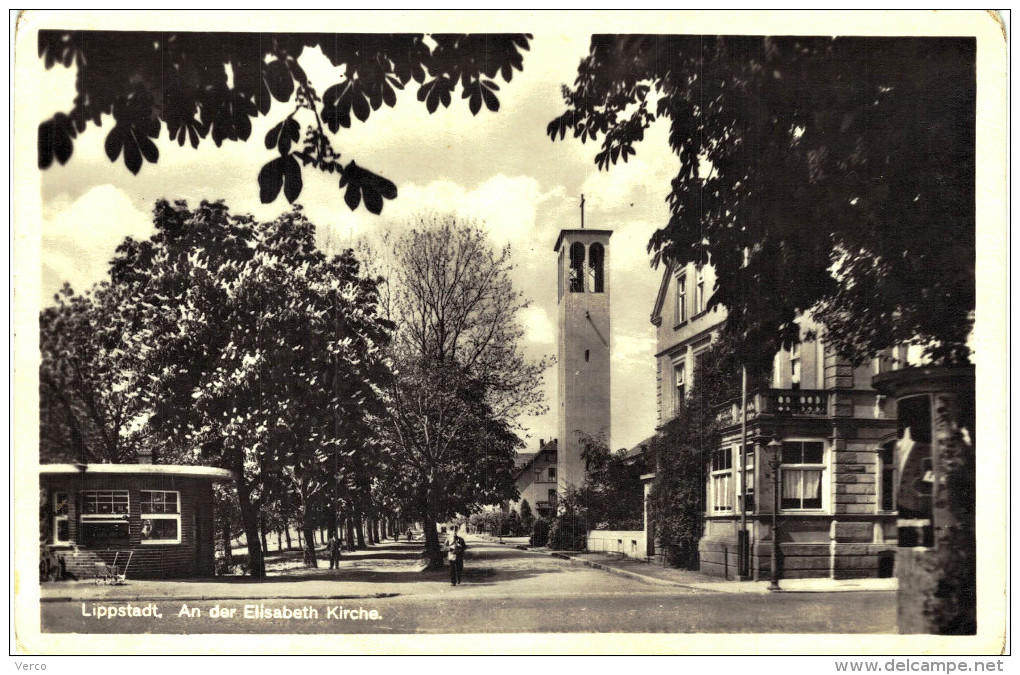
(638, 450)
(523, 459)
(532, 456)
(660, 298)
(208, 472)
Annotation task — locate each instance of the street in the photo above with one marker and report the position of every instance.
(504, 590)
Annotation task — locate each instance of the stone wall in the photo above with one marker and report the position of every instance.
(626, 542)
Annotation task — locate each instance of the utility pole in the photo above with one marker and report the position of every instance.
(742, 538)
(582, 210)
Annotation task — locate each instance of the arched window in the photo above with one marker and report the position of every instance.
(596, 265)
(577, 267)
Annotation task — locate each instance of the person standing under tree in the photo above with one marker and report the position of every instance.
(334, 552)
(455, 547)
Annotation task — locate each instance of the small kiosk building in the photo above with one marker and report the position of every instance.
(162, 514)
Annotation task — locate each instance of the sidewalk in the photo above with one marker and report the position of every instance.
(668, 576)
(381, 571)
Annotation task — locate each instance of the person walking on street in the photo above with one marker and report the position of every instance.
(334, 552)
(455, 547)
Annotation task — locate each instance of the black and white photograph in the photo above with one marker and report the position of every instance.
(510, 332)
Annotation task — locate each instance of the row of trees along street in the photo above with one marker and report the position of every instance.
(334, 396)
(234, 343)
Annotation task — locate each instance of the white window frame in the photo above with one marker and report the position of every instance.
(146, 515)
(111, 517)
(679, 379)
(724, 477)
(749, 474)
(680, 308)
(699, 291)
(61, 517)
(825, 478)
(796, 369)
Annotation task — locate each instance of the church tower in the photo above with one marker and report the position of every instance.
(583, 339)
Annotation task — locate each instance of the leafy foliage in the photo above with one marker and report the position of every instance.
(462, 379)
(539, 532)
(612, 496)
(568, 532)
(90, 404)
(679, 451)
(527, 517)
(202, 85)
(834, 174)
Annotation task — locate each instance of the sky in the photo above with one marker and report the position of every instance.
(500, 169)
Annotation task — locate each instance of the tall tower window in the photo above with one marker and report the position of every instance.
(596, 267)
(577, 267)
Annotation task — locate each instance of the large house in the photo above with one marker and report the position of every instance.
(537, 479)
(837, 505)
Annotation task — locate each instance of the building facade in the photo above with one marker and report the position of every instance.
(583, 340)
(537, 480)
(837, 502)
(161, 514)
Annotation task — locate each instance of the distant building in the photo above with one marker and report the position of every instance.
(537, 479)
(837, 500)
(583, 296)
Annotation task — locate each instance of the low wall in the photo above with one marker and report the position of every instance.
(630, 543)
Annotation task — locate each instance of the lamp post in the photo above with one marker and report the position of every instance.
(774, 447)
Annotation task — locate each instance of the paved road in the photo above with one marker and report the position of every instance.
(505, 590)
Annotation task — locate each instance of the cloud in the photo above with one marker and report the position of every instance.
(79, 238)
(538, 327)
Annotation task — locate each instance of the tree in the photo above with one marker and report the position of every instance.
(212, 84)
(90, 406)
(462, 379)
(833, 174)
(612, 496)
(263, 355)
(527, 517)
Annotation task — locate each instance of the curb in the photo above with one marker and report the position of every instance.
(627, 573)
(199, 598)
(606, 568)
(705, 587)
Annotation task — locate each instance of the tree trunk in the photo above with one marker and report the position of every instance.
(256, 559)
(279, 540)
(376, 530)
(286, 533)
(359, 530)
(228, 553)
(433, 553)
(309, 557)
(262, 531)
(350, 533)
(300, 540)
